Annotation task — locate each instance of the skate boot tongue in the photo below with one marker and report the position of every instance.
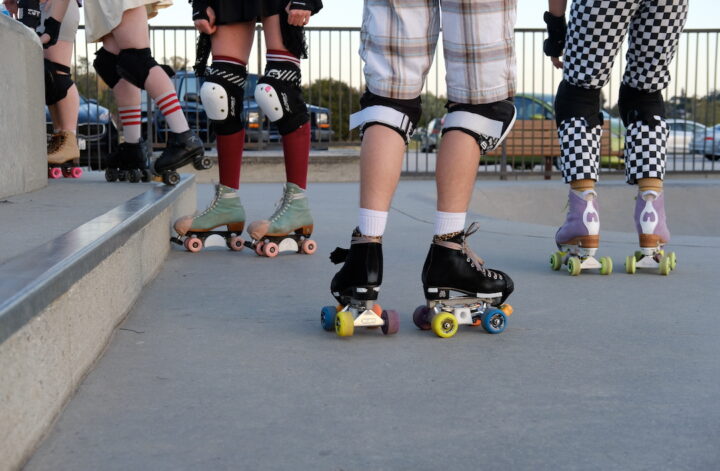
(649, 195)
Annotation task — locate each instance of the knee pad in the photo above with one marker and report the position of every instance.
(222, 96)
(487, 123)
(638, 105)
(134, 65)
(576, 102)
(105, 64)
(278, 94)
(401, 116)
(57, 82)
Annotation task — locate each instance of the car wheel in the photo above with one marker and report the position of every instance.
(712, 157)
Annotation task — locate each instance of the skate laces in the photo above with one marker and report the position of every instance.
(472, 258)
(56, 142)
(213, 203)
(284, 203)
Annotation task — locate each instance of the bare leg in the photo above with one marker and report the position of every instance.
(457, 165)
(234, 40)
(381, 158)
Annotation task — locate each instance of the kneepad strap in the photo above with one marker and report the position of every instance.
(57, 82)
(576, 102)
(278, 94)
(134, 65)
(222, 96)
(401, 116)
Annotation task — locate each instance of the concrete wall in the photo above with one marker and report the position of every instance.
(23, 157)
(43, 363)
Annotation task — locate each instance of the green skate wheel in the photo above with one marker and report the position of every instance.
(673, 260)
(665, 265)
(344, 324)
(630, 264)
(606, 265)
(574, 266)
(556, 260)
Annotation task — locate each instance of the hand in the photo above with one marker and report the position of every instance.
(297, 17)
(207, 26)
(556, 62)
(52, 32)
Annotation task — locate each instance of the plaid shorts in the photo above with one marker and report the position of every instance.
(399, 37)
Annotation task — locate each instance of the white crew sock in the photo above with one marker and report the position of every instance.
(445, 223)
(372, 223)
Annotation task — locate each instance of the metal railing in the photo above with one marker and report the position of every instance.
(333, 79)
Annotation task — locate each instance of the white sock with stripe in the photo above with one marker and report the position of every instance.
(130, 118)
(170, 108)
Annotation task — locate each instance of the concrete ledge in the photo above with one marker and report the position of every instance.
(23, 158)
(60, 303)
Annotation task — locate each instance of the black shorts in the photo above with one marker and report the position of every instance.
(242, 11)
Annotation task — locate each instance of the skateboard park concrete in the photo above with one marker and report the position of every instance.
(222, 363)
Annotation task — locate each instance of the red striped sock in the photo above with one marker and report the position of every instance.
(230, 151)
(170, 108)
(229, 59)
(278, 55)
(296, 148)
(130, 119)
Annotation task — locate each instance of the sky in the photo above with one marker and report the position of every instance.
(702, 14)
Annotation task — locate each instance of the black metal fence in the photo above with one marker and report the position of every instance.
(333, 79)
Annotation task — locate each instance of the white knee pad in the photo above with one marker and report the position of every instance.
(215, 101)
(268, 99)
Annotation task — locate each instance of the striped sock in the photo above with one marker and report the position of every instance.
(278, 55)
(170, 108)
(130, 119)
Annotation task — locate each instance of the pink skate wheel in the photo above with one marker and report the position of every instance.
(270, 249)
(76, 172)
(259, 248)
(308, 246)
(236, 244)
(421, 317)
(193, 244)
(392, 322)
(55, 172)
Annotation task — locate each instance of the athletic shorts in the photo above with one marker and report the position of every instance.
(103, 16)
(70, 23)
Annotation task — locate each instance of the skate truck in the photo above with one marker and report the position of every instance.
(445, 316)
(343, 319)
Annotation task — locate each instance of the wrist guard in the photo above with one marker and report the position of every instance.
(557, 29)
(199, 10)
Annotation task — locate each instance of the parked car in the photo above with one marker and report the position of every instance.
(431, 137)
(96, 131)
(705, 142)
(188, 86)
(681, 134)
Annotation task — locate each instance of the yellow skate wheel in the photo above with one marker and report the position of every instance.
(556, 260)
(665, 265)
(344, 324)
(507, 309)
(574, 266)
(444, 325)
(606, 265)
(673, 260)
(630, 264)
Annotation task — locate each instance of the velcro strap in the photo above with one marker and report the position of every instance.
(474, 122)
(384, 115)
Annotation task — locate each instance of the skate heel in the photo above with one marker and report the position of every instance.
(236, 227)
(650, 241)
(305, 231)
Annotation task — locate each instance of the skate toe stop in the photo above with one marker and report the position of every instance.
(258, 229)
(183, 225)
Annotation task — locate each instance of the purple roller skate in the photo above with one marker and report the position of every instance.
(653, 233)
(579, 237)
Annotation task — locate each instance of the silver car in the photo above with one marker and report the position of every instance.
(681, 135)
(706, 142)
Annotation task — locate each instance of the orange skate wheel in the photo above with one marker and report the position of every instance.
(270, 249)
(377, 309)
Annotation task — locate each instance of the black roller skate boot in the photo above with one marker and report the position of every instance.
(356, 287)
(130, 161)
(452, 266)
(181, 149)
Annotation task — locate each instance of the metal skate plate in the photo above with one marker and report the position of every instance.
(465, 310)
(648, 261)
(577, 251)
(363, 314)
(588, 263)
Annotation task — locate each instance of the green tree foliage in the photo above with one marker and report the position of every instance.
(341, 99)
(90, 86)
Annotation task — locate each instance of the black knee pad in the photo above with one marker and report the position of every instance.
(57, 82)
(638, 105)
(577, 102)
(487, 123)
(134, 65)
(222, 96)
(279, 95)
(401, 116)
(105, 64)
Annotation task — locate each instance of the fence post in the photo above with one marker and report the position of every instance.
(503, 162)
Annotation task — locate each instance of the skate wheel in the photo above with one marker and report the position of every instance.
(494, 321)
(146, 176)
(556, 260)
(420, 318)
(327, 317)
(270, 249)
(665, 265)
(507, 309)
(308, 247)
(377, 309)
(444, 325)
(122, 176)
(76, 172)
(134, 176)
(54, 172)
(630, 261)
(171, 178)
(606, 265)
(259, 248)
(574, 266)
(193, 244)
(391, 321)
(673, 260)
(66, 172)
(235, 243)
(344, 324)
(203, 163)
(111, 175)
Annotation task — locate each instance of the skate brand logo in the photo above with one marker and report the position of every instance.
(648, 218)
(591, 219)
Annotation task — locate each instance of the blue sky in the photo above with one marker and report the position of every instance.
(703, 14)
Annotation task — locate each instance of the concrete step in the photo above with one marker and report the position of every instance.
(76, 255)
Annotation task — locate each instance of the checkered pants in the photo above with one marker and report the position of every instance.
(596, 30)
(399, 37)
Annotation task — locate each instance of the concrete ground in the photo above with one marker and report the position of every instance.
(222, 363)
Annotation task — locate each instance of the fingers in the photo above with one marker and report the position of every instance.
(204, 27)
(556, 62)
(45, 38)
(297, 17)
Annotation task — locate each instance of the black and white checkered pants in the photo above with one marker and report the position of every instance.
(596, 31)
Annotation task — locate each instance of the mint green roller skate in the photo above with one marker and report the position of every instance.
(224, 210)
(288, 229)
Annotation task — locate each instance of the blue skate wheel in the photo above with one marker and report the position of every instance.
(327, 318)
(494, 321)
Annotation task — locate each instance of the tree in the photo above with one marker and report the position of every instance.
(341, 99)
